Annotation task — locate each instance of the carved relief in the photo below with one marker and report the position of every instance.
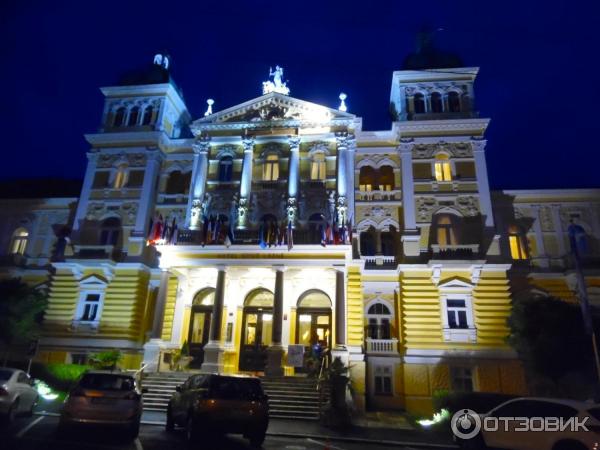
(425, 207)
(457, 150)
(129, 213)
(132, 159)
(468, 205)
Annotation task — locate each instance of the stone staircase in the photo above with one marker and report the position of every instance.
(293, 397)
(160, 388)
(289, 397)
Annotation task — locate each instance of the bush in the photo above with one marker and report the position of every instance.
(107, 360)
(480, 402)
(58, 376)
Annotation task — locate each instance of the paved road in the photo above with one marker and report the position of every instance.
(39, 433)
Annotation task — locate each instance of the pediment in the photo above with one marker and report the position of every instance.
(93, 281)
(273, 109)
(455, 283)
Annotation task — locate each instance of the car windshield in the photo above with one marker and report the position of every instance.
(236, 388)
(107, 382)
(5, 374)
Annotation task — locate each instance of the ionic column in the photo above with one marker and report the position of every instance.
(159, 308)
(340, 309)
(86, 190)
(274, 366)
(558, 229)
(213, 350)
(350, 155)
(193, 217)
(293, 178)
(342, 139)
(483, 186)
(246, 182)
(148, 197)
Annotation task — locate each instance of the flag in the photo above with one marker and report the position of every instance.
(205, 227)
(158, 229)
(227, 241)
(349, 231)
(150, 230)
(261, 236)
(290, 236)
(323, 235)
(328, 235)
(174, 233)
(230, 235)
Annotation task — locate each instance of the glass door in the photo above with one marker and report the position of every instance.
(257, 329)
(313, 327)
(198, 333)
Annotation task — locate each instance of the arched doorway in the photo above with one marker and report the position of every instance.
(257, 327)
(313, 323)
(200, 316)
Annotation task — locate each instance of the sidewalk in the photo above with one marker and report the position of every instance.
(383, 428)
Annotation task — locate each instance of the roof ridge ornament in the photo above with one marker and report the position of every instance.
(277, 85)
(209, 110)
(343, 106)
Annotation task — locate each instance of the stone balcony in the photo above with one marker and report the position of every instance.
(381, 346)
(378, 196)
(379, 262)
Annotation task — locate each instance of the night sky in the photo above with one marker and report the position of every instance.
(538, 80)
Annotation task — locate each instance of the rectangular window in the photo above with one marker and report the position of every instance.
(318, 168)
(383, 380)
(443, 171)
(461, 379)
(517, 246)
(457, 313)
(90, 308)
(101, 179)
(366, 187)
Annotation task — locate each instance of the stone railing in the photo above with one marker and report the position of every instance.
(461, 251)
(382, 346)
(378, 195)
(380, 262)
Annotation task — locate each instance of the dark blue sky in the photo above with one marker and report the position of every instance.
(537, 82)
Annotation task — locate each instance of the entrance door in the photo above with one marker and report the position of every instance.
(314, 327)
(257, 328)
(199, 331)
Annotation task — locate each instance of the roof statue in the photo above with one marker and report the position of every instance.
(343, 106)
(209, 110)
(277, 85)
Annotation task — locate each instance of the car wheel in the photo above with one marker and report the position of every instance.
(169, 425)
(32, 407)
(12, 412)
(569, 445)
(256, 440)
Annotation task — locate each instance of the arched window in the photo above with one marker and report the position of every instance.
(147, 119)
(453, 101)
(366, 178)
(379, 318)
(225, 168)
(121, 176)
(419, 103)
(437, 105)
(110, 231)
(442, 168)
(386, 178)
(318, 167)
(18, 243)
(517, 243)
(134, 114)
(445, 230)
(120, 117)
(204, 297)
(367, 243)
(271, 168)
(314, 299)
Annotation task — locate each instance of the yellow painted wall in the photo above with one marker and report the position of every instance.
(169, 309)
(355, 308)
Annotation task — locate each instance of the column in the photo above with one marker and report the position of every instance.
(410, 234)
(246, 182)
(483, 186)
(275, 351)
(542, 257)
(213, 351)
(342, 184)
(340, 309)
(193, 219)
(154, 347)
(558, 229)
(293, 178)
(350, 154)
(86, 189)
(148, 197)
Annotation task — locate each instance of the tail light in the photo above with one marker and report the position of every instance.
(3, 391)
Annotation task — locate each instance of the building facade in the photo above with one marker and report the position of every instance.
(279, 222)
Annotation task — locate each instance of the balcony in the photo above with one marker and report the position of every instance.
(247, 237)
(461, 251)
(380, 262)
(382, 346)
(378, 196)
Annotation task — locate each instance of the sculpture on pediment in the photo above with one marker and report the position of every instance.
(277, 85)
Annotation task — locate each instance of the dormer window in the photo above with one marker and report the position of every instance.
(134, 115)
(225, 169)
(121, 176)
(437, 105)
(318, 167)
(271, 168)
(442, 168)
(419, 103)
(120, 117)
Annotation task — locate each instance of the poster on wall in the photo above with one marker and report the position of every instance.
(295, 355)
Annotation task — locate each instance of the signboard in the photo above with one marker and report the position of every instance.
(295, 355)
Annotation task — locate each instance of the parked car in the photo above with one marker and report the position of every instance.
(17, 394)
(210, 403)
(529, 407)
(104, 398)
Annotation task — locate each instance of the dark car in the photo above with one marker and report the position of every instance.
(209, 404)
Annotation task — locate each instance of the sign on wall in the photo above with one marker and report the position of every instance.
(295, 355)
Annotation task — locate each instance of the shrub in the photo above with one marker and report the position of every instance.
(107, 360)
(59, 376)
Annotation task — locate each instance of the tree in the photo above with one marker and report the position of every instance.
(549, 336)
(21, 312)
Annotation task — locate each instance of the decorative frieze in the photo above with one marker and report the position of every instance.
(456, 150)
(106, 160)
